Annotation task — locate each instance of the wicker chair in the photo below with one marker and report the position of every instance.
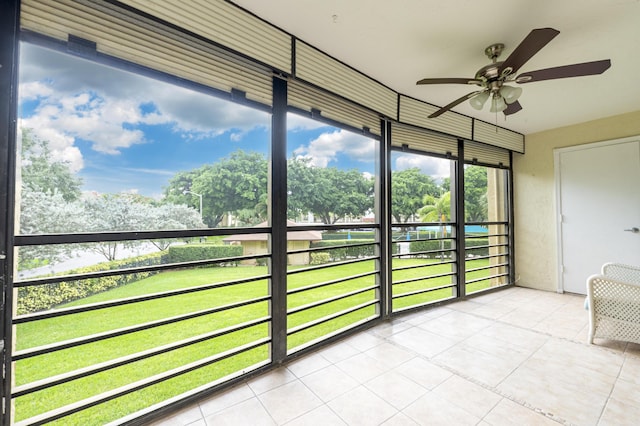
(614, 303)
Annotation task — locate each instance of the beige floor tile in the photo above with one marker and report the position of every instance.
(580, 354)
(618, 413)
(389, 354)
(390, 328)
(509, 413)
(631, 370)
(250, 412)
(396, 389)
(423, 372)
(321, 416)
(540, 389)
(338, 352)
(456, 325)
(289, 401)
(361, 406)
(307, 364)
(467, 361)
(419, 317)
(184, 417)
(433, 410)
(225, 399)
(469, 396)
(422, 341)
(400, 419)
(362, 367)
(271, 380)
(364, 341)
(627, 393)
(329, 382)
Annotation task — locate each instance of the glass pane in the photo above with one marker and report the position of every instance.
(423, 262)
(104, 151)
(331, 181)
(486, 234)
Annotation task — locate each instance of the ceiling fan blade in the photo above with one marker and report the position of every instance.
(575, 70)
(454, 103)
(536, 40)
(512, 108)
(449, 81)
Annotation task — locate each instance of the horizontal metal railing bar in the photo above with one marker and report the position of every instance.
(418, 306)
(327, 248)
(333, 334)
(416, 224)
(129, 300)
(422, 291)
(332, 264)
(333, 227)
(487, 246)
(328, 318)
(499, 265)
(97, 237)
(430, 277)
(331, 299)
(472, 237)
(404, 268)
(488, 256)
(138, 385)
(331, 282)
(486, 278)
(66, 344)
(487, 223)
(128, 359)
(451, 238)
(127, 271)
(418, 253)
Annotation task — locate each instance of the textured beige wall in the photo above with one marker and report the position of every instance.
(534, 194)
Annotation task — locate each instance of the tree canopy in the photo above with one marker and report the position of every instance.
(408, 188)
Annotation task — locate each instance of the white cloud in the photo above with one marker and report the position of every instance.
(78, 99)
(326, 147)
(432, 166)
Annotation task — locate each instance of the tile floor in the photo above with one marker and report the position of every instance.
(514, 357)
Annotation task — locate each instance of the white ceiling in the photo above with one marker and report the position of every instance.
(400, 42)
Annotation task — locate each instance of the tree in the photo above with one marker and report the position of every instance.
(436, 209)
(475, 194)
(329, 193)
(230, 185)
(131, 212)
(171, 216)
(40, 173)
(408, 188)
(42, 213)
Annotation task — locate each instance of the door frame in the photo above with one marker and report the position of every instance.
(557, 152)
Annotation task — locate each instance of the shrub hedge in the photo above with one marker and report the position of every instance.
(190, 252)
(342, 253)
(417, 246)
(43, 297)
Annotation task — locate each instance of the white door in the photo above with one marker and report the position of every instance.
(599, 209)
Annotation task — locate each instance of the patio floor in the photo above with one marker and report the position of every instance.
(513, 357)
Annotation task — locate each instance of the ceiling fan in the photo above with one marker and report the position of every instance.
(492, 78)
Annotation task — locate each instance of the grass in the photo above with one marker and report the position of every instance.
(73, 326)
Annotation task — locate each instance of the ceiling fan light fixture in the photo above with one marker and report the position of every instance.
(478, 101)
(510, 94)
(497, 103)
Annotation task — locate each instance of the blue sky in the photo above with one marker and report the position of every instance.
(122, 132)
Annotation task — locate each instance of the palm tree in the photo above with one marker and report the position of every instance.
(436, 209)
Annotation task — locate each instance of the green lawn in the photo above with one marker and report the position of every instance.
(73, 326)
